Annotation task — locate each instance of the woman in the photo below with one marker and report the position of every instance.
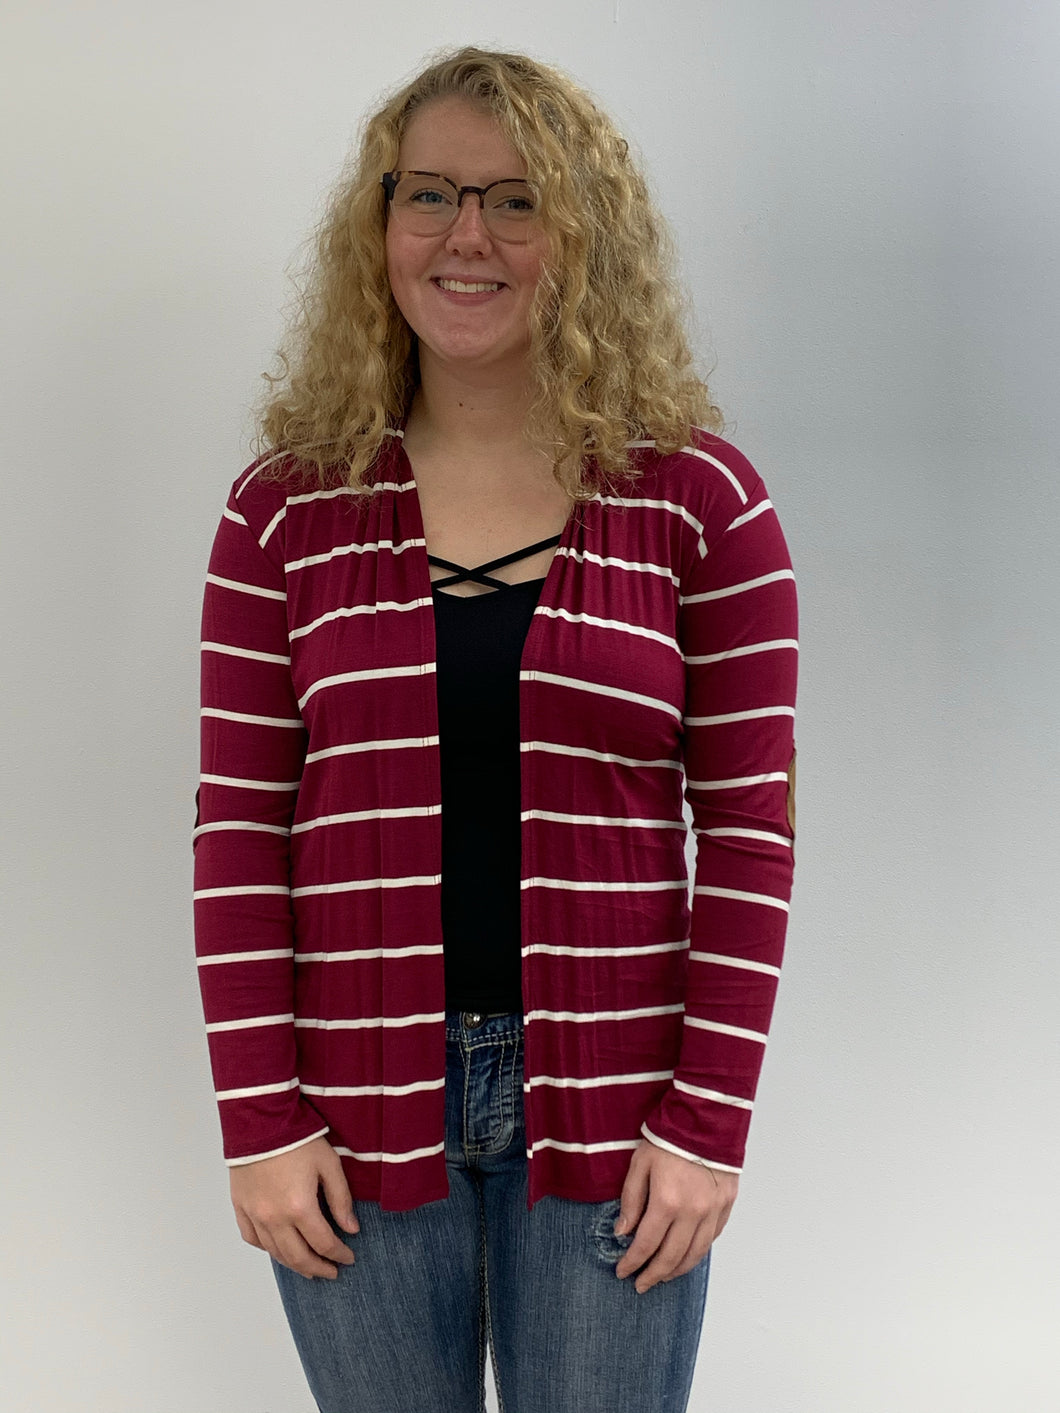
(480, 1066)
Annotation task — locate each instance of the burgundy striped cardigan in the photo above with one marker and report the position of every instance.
(659, 669)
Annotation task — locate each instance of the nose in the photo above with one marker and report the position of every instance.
(469, 228)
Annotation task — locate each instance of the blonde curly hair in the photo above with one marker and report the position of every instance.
(608, 362)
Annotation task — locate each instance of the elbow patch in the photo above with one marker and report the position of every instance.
(791, 794)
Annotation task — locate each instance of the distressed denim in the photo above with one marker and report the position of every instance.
(405, 1329)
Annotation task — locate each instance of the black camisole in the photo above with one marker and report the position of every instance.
(479, 646)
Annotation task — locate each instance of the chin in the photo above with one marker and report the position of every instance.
(482, 353)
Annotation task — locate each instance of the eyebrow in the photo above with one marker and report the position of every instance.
(423, 172)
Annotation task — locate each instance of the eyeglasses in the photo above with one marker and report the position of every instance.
(426, 203)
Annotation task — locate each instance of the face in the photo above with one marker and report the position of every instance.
(452, 137)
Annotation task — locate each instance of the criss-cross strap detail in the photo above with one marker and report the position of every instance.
(479, 572)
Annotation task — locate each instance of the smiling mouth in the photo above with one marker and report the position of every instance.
(436, 281)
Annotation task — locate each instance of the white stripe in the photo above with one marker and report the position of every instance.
(614, 624)
(770, 646)
(750, 514)
(602, 819)
(651, 503)
(741, 897)
(354, 885)
(556, 949)
(308, 496)
(713, 460)
(773, 578)
(364, 954)
(717, 1026)
(250, 1023)
(360, 1091)
(608, 1146)
(221, 824)
(355, 547)
(267, 535)
(730, 832)
(728, 716)
(368, 674)
(240, 784)
(605, 757)
(230, 651)
(244, 716)
(740, 963)
(260, 466)
(713, 1094)
(738, 781)
(246, 588)
(255, 1089)
(592, 1017)
(223, 958)
(575, 885)
(355, 816)
(654, 503)
(371, 1022)
(596, 1081)
(249, 890)
(234, 516)
(683, 1152)
(275, 1152)
(610, 561)
(350, 748)
(388, 605)
(580, 684)
(363, 1155)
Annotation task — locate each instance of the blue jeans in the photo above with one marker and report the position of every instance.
(405, 1328)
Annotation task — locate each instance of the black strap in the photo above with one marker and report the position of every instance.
(479, 573)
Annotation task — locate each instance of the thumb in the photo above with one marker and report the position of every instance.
(337, 1192)
(634, 1196)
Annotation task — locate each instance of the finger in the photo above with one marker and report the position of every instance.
(320, 1238)
(697, 1252)
(337, 1195)
(723, 1220)
(668, 1257)
(246, 1230)
(634, 1199)
(265, 1240)
(650, 1235)
(293, 1251)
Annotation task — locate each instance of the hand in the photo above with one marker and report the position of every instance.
(277, 1208)
(687, 1208)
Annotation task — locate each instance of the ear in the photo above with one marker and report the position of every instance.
(791, 794)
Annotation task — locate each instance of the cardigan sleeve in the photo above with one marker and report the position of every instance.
(738, 633)
(253, 746)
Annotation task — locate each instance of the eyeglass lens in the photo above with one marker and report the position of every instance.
(428, 206)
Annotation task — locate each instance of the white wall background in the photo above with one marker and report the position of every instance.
(866, 196)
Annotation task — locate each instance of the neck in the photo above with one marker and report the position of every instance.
(465, 412)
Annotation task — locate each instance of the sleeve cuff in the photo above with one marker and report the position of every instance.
(275, 1152)
(682, 1153)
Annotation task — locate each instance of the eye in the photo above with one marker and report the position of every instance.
(430, 196)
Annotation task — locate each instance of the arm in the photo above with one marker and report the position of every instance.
(253, 750)
(253, 753)
(738, 631)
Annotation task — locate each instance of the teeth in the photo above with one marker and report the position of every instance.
(466, 289)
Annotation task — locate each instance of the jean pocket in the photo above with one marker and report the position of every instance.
(610, 1247)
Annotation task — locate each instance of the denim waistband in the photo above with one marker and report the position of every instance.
(492, 1025)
